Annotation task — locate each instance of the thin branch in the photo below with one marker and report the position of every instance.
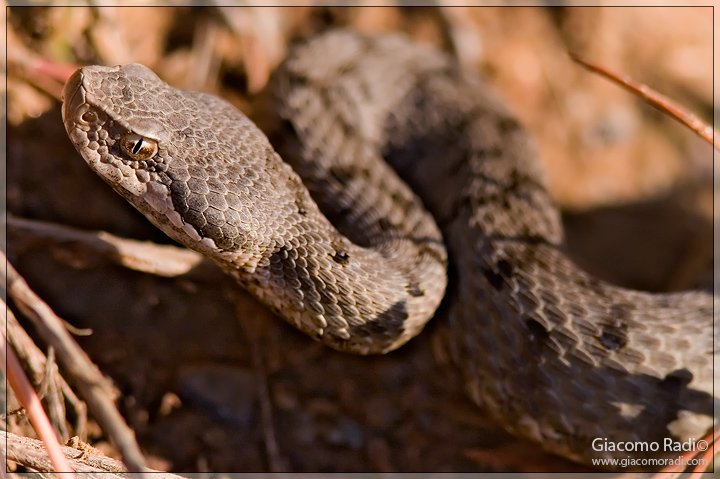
(656, 100)
(43, 371)
(706, 458)
(31, 402)
(30, 453)
(677, 468)
(144, 256)
(95, 389)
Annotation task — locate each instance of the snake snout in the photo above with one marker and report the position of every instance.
(73, 96)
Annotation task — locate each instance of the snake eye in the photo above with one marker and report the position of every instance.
(137, 147)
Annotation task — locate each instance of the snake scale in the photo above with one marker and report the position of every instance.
(551, 353)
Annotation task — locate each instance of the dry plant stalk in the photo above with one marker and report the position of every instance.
(30, 453)
(95, 389)
(656, 100)
(31, 402)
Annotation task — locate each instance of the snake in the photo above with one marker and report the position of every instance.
(390, 180)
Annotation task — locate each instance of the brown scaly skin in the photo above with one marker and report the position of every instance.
(551, 353)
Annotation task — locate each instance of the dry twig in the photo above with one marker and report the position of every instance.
(95, 389)
(30, 453)
(31, 402)
(144, 256)
(656, 100)
(43, 371)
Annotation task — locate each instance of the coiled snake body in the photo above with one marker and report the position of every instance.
(550, 352)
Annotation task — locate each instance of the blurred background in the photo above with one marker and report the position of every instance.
(194, 382)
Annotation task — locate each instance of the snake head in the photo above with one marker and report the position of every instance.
(119, 139)
(190, 162)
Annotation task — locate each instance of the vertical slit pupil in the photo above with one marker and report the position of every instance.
(137, 146)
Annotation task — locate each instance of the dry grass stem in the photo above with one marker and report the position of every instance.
(656, 100)
(95, 389)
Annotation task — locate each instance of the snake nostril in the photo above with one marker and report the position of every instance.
(89, 117)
